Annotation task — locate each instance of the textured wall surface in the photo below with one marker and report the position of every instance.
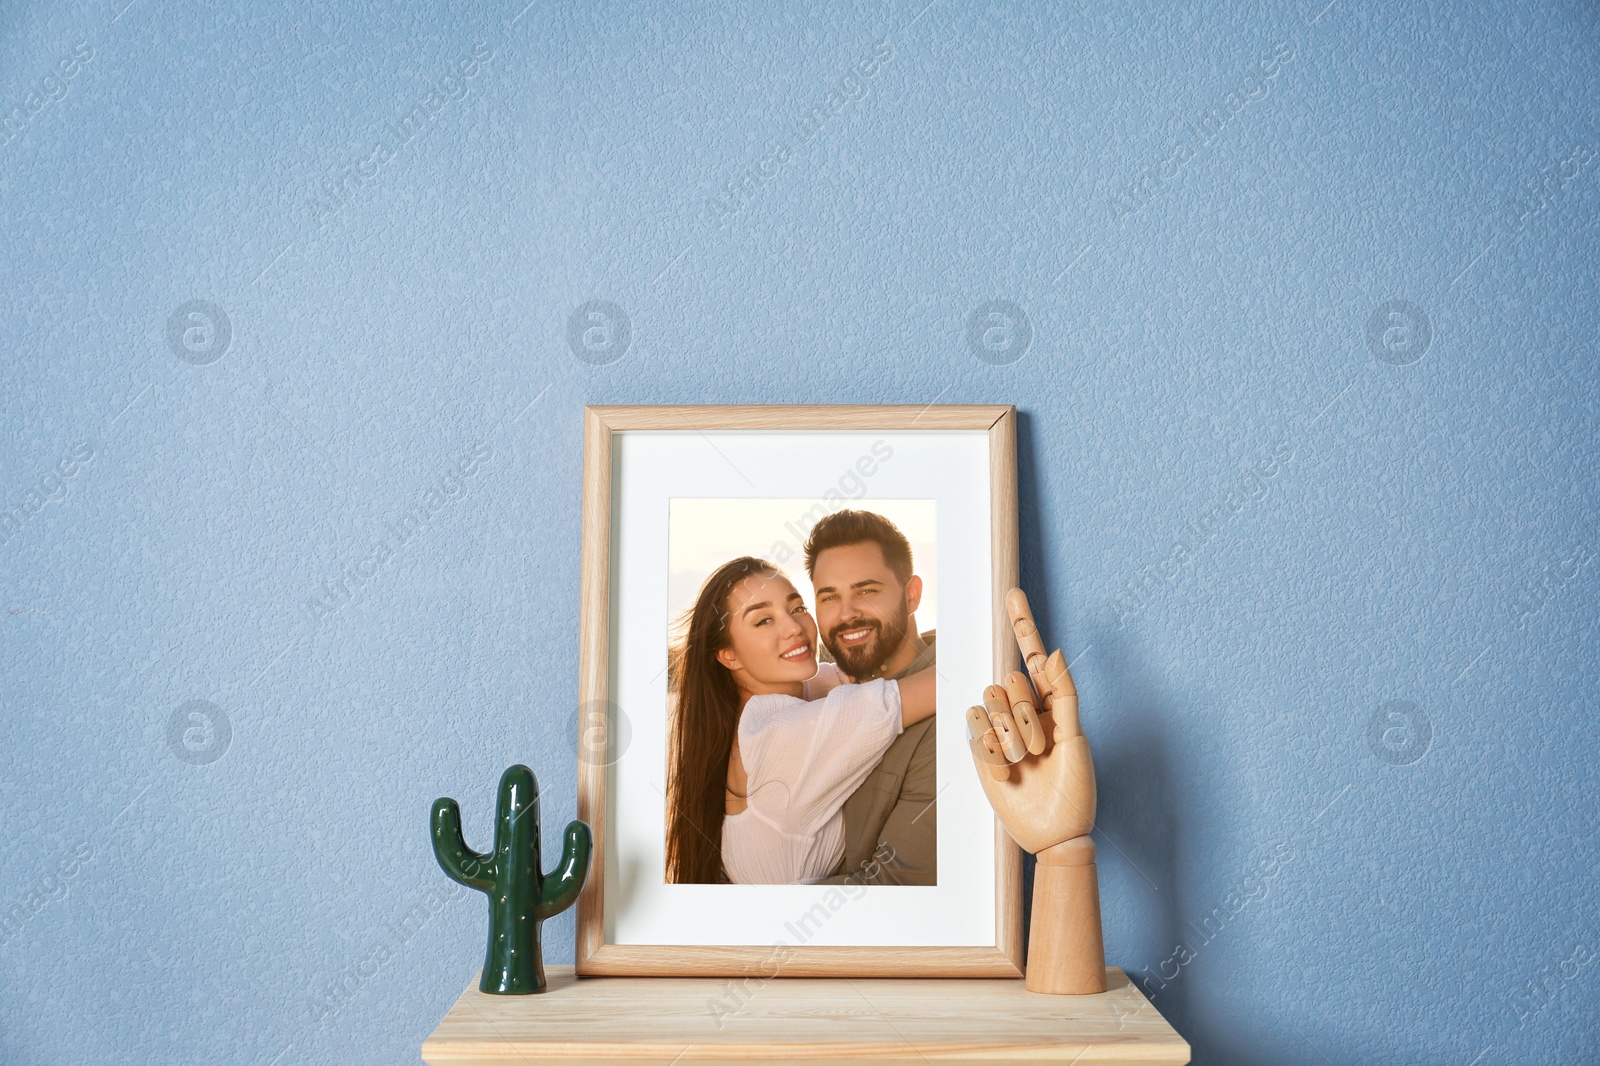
(1298, 302)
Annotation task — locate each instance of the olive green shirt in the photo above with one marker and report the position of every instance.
(892, 816)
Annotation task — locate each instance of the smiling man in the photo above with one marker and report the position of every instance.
(867, 597)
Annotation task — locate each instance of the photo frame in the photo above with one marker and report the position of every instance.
(671, 485)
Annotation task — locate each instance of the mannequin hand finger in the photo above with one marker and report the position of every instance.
(986, 747)
(985, 742)
(1001, 770)
(1005, 724)
(1029, 642)
(1063, 695)
(1019, 690)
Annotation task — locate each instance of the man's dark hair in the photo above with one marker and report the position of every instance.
(843, 528)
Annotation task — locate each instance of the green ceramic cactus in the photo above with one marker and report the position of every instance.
(520, 897)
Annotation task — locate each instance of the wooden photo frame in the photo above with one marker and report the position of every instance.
(652, 472)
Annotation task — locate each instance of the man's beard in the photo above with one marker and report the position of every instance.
(867, 658)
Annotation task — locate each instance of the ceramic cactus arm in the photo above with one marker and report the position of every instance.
(560, 889)
(460, 862)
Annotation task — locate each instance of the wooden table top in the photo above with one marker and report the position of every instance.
(662, 1021)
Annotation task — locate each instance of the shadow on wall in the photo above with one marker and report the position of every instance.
(1138, 820)
(1137, 806)
(1139, 810)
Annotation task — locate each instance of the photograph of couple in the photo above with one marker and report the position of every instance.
(801, 693)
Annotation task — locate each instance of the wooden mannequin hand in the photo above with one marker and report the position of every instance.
(1032, 756)
(1034, 763)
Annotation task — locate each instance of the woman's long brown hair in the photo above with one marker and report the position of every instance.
(705, 720)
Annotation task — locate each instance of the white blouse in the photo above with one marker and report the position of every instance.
(803, 758)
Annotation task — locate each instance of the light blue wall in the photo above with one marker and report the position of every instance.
(1427, 535)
